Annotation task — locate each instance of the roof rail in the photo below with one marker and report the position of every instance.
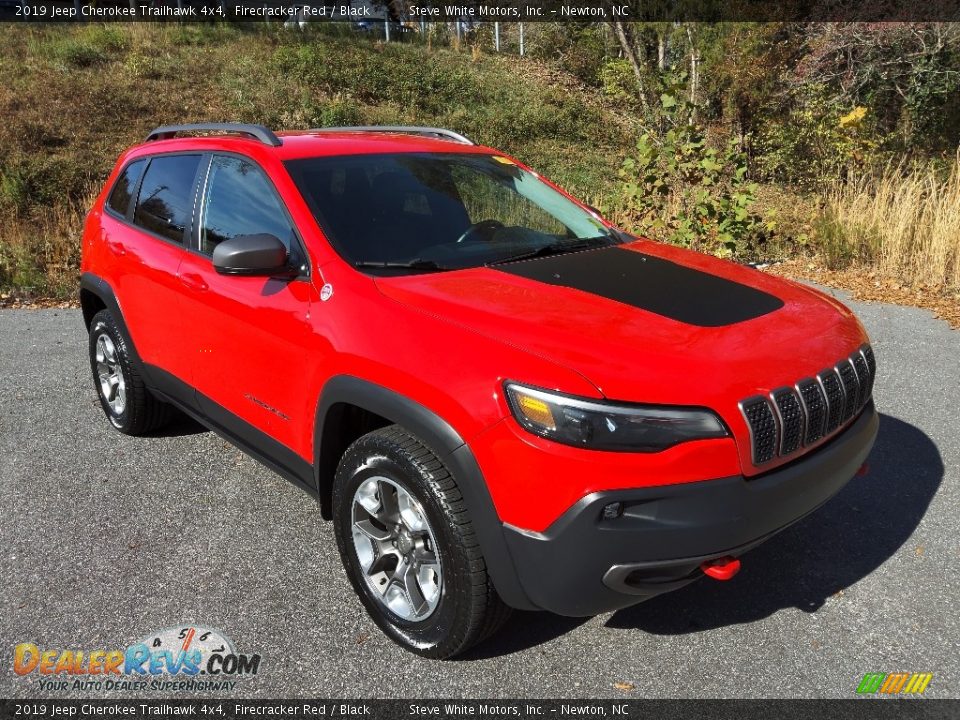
(408, 129)
(258, 132)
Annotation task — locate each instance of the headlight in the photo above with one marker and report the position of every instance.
(608, 426)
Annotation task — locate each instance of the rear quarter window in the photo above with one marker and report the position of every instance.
(164, 205)
(123, 189)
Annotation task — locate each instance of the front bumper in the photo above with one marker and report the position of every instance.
(584, 564)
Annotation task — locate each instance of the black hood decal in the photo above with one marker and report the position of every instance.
(650, 283)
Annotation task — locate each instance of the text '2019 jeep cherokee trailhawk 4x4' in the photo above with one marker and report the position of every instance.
(500, 399)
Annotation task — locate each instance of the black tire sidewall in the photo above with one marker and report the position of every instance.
(103, 324)
(442, 631)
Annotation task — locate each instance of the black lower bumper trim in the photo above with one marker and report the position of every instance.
(648, 579)
(584, 564)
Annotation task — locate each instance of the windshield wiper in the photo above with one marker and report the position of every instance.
(555, 248)
(424, 265)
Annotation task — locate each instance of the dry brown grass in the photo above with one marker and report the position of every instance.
(904, 223)
(41, 253)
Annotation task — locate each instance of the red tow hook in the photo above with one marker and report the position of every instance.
(864, 469)
(721, 568)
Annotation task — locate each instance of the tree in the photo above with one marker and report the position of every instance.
(630, 53)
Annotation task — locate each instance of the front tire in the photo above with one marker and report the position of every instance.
(129, 406)
(409, 548)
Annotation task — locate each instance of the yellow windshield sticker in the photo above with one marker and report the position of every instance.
(504, 160)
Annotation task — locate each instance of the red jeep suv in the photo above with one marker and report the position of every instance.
(500, 399)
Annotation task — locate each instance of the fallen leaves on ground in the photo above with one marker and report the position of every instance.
(867, 284)
(11, 301)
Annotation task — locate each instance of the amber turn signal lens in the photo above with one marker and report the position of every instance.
(536, 411)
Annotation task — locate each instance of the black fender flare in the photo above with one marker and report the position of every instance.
(97, 286)
(452, 450)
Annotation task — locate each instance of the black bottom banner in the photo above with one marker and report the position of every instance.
(490, 709)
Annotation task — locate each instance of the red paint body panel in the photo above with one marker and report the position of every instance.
(533, 480)
(634, 355)
(263, 349)
(245, 339)
(143, 273)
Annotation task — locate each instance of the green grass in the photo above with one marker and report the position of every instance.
(75, 96)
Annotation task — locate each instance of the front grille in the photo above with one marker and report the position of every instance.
(867, 353)
(814, 407)
(763, 428)
(792, 418)
(830, 382)
(851, 389)
(863, 377)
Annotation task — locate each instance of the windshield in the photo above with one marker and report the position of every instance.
(401, 213)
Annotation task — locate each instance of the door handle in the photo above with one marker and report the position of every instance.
(194, 282)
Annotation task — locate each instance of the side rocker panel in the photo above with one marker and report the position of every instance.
(441, 437)
(254, 442)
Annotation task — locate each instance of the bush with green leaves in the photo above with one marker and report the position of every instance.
(680, 189)
(618, 81)
(819, 141)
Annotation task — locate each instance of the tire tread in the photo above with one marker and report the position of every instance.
(147, 412)
(487, 611)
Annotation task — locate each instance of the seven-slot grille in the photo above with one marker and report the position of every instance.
(791, 418)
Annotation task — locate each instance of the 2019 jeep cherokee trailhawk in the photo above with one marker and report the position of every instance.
(500, 399)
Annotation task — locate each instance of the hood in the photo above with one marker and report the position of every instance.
(647, 322)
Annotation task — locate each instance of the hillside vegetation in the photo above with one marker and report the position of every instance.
(834, 143)
(74, 97)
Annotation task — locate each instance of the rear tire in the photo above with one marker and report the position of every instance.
(409, 547)
(129, 406)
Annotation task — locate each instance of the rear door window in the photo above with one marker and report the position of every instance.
(165, 202)
(122, 190)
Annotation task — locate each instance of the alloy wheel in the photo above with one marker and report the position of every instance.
(396, 548)
(113, 388)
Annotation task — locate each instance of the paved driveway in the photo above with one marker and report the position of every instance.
(106, 538)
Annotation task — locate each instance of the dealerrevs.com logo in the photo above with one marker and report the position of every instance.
(177, 658)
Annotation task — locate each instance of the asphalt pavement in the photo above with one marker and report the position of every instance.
(106, 539)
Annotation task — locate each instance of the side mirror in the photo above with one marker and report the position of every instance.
(260, 254)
